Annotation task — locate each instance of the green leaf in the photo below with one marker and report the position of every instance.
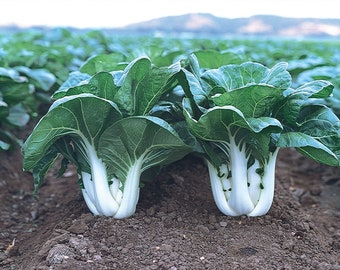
(42, 166)
(323, 125)
(75, 78)
(100, 85)
(308, 146)
(84, 116)
(253, 100)
(289, 109)
(215, 59)
(125, 141)
(4, 110)
(214, 124)
(232, 77)
(153, 87)
(103, 62)
(13, 92)
(40, 78)
(251, 87)
(319, 121)
(10, 74)
(142, 85)
(193, 91)
(220, 123)
(128, 84)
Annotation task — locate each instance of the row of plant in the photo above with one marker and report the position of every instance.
(120, 111)
(61, 51)
(120, 123)
(34, 63)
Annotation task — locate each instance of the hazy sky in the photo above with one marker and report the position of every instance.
(112, 13)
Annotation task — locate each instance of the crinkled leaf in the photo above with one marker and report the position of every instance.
(319, 121)
(253, 100)
(232, 77)
(289, 110)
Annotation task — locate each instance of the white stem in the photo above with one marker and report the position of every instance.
(268, 183)
(254, 182)
(115, 190)
(226, 182)
(240, 200)
(90, 203)
(218, 191)
(103, 199)
(88, 186)
(130, 191)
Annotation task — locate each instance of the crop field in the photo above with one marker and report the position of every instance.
(140, 152)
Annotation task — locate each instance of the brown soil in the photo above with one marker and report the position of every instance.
(176, 226)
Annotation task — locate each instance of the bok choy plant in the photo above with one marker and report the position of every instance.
(242, 115)
(103, 125)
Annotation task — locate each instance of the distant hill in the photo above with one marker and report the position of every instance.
(266, 25)
(208, 24)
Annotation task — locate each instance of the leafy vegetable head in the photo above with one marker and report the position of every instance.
(244, 115)
(103, 127)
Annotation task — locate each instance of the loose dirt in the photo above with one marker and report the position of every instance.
(176, 225)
